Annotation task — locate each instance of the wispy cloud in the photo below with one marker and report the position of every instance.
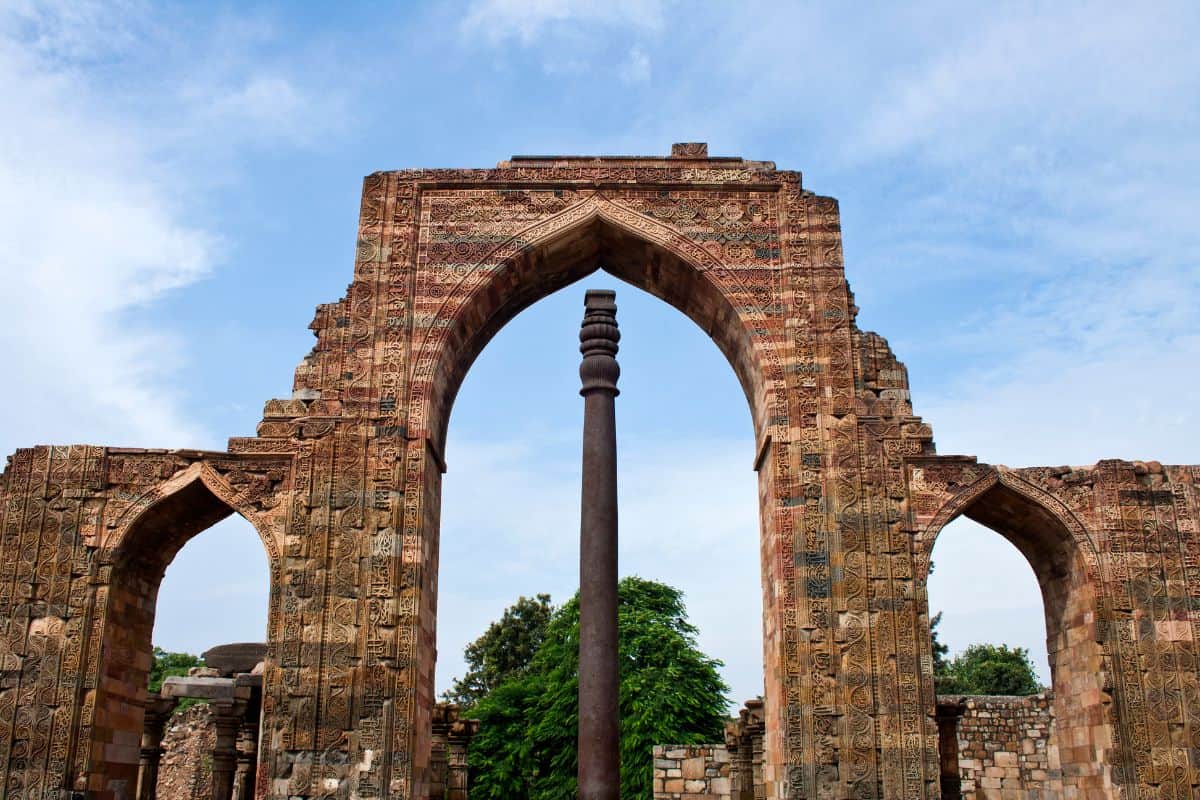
(89, 230)
(1061, 167)
(95, 223)
(529, 20)
(1003, 606)
(636, 68)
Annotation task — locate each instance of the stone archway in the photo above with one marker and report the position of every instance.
(596, 234)
(1065, 562)
(343, 476)
(138, 548)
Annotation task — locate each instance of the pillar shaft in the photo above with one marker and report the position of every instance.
(599, 682)
(158, 711)
(227, 719)
(247, 759)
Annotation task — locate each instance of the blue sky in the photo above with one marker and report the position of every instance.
(1019, 185)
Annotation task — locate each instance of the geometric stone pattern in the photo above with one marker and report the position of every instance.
(343, 484)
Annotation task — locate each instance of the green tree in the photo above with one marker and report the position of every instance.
(167, 665)
(503, 651)
(671, 693)
(989, 669)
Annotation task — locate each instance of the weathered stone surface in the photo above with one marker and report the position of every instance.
(229, 659)
(204, 688)
(1009, 741)
(692, 772)
(342, 483)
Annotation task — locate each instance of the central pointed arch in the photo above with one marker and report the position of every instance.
(594, 234)
(468, 305)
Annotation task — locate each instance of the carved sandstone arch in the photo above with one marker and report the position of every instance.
(593, 234)
(1065, 561)
(137, 550)
(117, 539)
(965, 498)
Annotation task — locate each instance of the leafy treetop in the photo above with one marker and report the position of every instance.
(670, 693)
(503, 651)
(989, 669)
(168, 665)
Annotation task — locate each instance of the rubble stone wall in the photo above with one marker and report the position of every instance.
(692, 772)
(1005, 748)
(185, 772)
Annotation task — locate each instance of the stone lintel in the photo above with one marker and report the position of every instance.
(213, 689)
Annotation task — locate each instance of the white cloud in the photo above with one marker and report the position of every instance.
(89, 229)
(95, 153)
(529, 20)
(1057, 408)
(636, 68)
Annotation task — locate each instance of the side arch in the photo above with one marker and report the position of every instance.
(1001, 481)
(137, 548)
(199, 494)
(1069, 571)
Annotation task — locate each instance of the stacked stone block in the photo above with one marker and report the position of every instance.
(1006, 748)
(692, 772)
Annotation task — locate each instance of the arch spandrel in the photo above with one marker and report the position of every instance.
(116, 542)
(972, 481)
(739, 326)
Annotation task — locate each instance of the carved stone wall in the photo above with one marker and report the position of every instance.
(343, 483)
(1116, 553)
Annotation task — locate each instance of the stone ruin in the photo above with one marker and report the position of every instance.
(991, 748)
(342, 482)
(209, 751)
(230, 685)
